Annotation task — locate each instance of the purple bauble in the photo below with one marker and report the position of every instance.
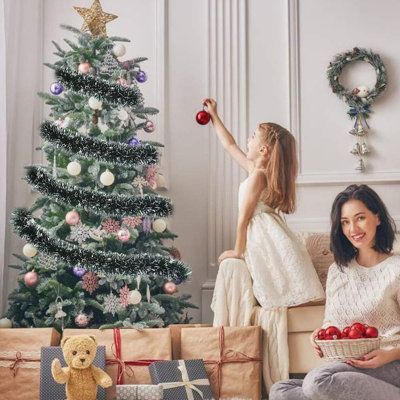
(146, 225)
(56, 88)
(78, 271)
(134, 142)
(141, 76)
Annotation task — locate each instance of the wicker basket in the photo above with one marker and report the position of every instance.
(346, 349)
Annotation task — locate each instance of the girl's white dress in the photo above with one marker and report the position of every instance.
(277, 273)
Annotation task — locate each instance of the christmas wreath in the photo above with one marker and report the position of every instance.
(360, 98)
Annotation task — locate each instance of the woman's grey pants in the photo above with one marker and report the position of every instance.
(341, 381)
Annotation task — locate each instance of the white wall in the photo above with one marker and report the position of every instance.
(264, 61)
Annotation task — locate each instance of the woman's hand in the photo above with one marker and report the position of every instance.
(374, 359)
(210, 105)
(228, 254)
(316, 348)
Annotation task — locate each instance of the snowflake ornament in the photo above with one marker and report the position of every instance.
(90, 282)
(111, 225)
(47, 262)
(139, 182)
(79, 233)
(111, 304)
(132, 222)
(124, 296)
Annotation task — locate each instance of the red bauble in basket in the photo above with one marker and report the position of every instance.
(371, 332)
(359, 327)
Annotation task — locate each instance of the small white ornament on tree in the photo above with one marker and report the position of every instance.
(74, 168)
(72, 217)
(134, 297)
(123, 115)
(5, 323)
(119, 50)
(107, 178)
(29, 250)
(95, 104)
(159, 225)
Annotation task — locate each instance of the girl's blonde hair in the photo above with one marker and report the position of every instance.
(281, 169)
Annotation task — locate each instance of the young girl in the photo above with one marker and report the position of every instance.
(268, 262)
(363, 286)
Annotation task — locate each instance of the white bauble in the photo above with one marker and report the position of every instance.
(107, 178)
(66, 122)
(134, 297)
(5, 323)
(29, 250)
(74, 168)
(159, 225)
(119, 50)
(103, 127)
(123, 115)
(95, 104)
(362, 91)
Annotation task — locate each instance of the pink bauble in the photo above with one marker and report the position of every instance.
(123, 235)
(31, 278)
(82, 320)
(84, 67)
(149, 127)
(72, 217)
(122, 82)
(170, 288)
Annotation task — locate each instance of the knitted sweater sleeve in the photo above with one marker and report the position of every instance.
(329, 297)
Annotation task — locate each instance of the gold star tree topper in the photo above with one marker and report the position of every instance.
(95, 19)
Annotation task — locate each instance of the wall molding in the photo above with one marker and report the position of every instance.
(227, 82)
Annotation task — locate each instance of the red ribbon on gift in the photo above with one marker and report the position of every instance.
(17, 361)
(124, 367)
(227, 357)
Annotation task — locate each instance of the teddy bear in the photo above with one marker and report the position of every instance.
(80, 376)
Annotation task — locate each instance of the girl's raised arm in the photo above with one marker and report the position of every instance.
(225, 137)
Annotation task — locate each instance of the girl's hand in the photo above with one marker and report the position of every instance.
(229, 254)
(316, 348)
(374, 359)
(210, 105)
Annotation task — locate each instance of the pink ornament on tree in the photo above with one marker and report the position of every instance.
(84, 68)
(124, 296)
(132, 222)
(72, 217)
(90, 282)
(123, 235)
(111, 225)
(31, 278)
(151, 176)
(149, 126)
(122, 82)
(82, 320)
(170, 288)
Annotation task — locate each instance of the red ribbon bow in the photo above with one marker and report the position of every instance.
(124, 367)
(227, 357)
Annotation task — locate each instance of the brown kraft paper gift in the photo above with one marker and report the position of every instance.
(232, 357)
(176, 337)
(20, 361)
(127, 363)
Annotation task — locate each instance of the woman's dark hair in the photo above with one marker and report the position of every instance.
(343, 250)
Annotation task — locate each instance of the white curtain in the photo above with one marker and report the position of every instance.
(3, 146)
(21, 55)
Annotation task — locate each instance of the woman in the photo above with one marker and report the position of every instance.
(363, 285)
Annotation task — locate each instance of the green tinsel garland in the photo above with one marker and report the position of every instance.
(112, 92)
(101, 150)
(96, 261)
(101, 203)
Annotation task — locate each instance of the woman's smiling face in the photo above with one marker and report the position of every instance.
(359, 224)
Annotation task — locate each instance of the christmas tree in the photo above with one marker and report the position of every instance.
(96, 253)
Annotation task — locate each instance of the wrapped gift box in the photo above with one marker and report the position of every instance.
(182, 379)
(20, 361)
(232, 357)
(176, 337)
(139, 392)
(49, 388)
(129, 352)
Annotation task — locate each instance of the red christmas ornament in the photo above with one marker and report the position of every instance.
(360, 327)
(355, 334)
(203, 117)
(321, 334)
(346, 331)
(371, 332)
(31, 278)
(333, 331)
